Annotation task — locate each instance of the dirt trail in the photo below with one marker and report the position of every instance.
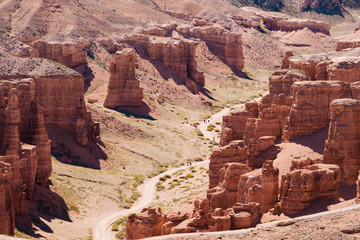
(102, 228)
(217, 117)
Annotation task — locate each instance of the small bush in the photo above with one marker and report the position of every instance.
(198, 159)
(189, 175)
(167, 176)
(163, 179)
(217, 130)
(200, 134)
(218, 123)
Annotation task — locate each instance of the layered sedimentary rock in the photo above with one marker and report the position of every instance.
(357, 199)
(266, 118)
(245, 215)
(68, 52)
(58, 90)
(301, 187)
(7, 217)
(235, 152)
(310, 110)
(225, 44)
(341, 45)
(200, 220)
(225, 194)
(179, 55)
(343, 144)
(282, 22)
(233, 125)
(124, 89)
(329, 66)
(147, 223)
(259, 186)
(286, 61)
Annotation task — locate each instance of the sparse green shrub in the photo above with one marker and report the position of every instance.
(189, 175)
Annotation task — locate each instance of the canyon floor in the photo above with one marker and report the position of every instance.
(172, 129)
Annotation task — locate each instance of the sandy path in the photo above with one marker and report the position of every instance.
(102, 228)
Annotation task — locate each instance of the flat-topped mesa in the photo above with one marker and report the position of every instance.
(343, 144)
(225, 194)
(68, 52)
(345, 69)
(124, 89)
(225, 44)
(260, 186)
(7, 218)
(179, 55)
(275, 21)
(310, 110)
(58, 90)
(301, 187)
(235, 152)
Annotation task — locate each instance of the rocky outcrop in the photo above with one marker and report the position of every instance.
(339, 66)
(179, 55)
(330, 7)
(341, 45)
(123, 89)
(357, 199)
(200, 220)
(282, 22)
(310, 110)
(259, 186)
(301, 187)
(235, 152)
(233, 125)
(345, 69)
(245, 215)
(147, 223)
(68, 52)
(225, 44)
(343, 144)
(7, 217)
(58, 90)
(286, 60)
(266, 118)
(225, 194)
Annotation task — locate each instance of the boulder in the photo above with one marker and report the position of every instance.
(123, 89)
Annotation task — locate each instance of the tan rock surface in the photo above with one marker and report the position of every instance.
(342, 145)
(124, 89)
(302, 186)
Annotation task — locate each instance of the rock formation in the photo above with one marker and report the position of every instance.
(58, 90)
(286, 60)
(282, 22)
(310, 110)
(235, 152)
(343, 144)
(179, 55)
(225, 194)
(346, 44)
(123, 89)
(68, 52)
(259, 186)
(148, 223)
(330, 7)
(357, 199)
(7, 217)
(245, 215)
(225, 44)
(301, 187)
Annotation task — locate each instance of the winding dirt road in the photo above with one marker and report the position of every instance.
(102, 228)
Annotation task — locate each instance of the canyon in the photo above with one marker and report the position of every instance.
(97, 98)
